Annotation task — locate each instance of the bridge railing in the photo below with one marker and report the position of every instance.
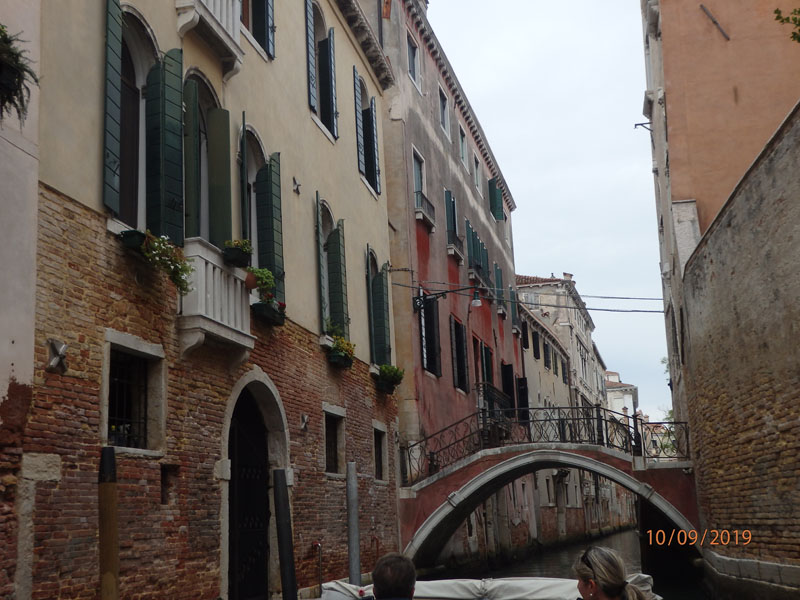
(500, 425)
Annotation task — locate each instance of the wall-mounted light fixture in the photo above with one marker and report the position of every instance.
(419, 301)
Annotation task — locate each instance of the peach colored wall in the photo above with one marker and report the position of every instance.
(725, 99)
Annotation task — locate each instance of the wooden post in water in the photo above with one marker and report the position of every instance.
(109, 535)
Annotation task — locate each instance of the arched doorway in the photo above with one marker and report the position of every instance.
(249, 513)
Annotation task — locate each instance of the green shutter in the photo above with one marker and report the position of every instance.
(468, 235)
(311, 57)
(465, 353)
(337, 279)
(370, 313)
(498, 282)
(512, 296)
(449, 208)
(244, 196)
(191, 157)
(264, 25)
(164, 143)
(332, 80)
(219, 176)
(496, 199)
(376, 161)
(380, 309)
(322, 263)
(437, 366)
(359, 123)
(269, 222)
(327, 84)
(111, 134)
(454, 350)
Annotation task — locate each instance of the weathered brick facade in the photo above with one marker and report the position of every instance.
(741, 290)
(170, 545)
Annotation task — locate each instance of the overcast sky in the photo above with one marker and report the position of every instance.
(557, 88)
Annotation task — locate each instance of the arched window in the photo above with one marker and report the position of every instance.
(332, 272)
(207, 168)
(378, 306)
(321, 65)
(366, 133)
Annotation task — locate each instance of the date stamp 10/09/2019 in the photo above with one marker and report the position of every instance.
(689, 537)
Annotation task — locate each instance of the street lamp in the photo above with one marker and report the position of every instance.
(418, 302)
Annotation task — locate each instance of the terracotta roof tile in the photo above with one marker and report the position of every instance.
(528, 279)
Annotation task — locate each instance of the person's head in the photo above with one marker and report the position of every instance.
(601, 574)
(394, 576)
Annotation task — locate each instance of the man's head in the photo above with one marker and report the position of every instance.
(394, 576)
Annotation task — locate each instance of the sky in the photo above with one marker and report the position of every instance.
(557, 88)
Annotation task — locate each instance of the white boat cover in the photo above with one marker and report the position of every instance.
(509, 588)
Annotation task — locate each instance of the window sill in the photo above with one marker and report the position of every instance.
(429, 374)
(461, 392)
(325, 342)
(336, 476)
(142, 452)
(368, 185)
(115, 226)
(415, 82)
(380, 482)
(323, 129)
(256, 46)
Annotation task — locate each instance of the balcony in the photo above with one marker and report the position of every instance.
(424, 210)
(455, 246)
(217, 310)
(217, 22)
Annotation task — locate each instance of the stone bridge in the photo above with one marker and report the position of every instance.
(433, 507)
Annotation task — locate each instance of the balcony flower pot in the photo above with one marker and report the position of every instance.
(268, 312)
(236, 257)
(341, 360)
(16, 75)
(132, 238)
(382, 385)
(388, 378)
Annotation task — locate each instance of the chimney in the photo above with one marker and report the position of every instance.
(568, 276)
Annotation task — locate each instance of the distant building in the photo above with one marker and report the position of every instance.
(622, 397)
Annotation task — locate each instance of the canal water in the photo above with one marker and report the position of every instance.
(557, 562)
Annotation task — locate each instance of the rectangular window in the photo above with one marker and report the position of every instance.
(458, 342)
(547, 356)
(333, 441)
(413, 59)
(555, 362)
(525, 336)
(564, 372)
(536, 353)
(419, 174)
(127, 400)
(429, 336)
(462, 145)
(258, 16)
(379, 438)
(444, 114)
(476, 175)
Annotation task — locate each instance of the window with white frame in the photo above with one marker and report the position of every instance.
(462, 145)
(476, 172)
(413, 59)
(444, 113)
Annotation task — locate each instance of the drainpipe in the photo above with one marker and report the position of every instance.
(283, 521)
(353, 543)
(109, 533)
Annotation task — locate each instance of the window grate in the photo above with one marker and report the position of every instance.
(127, 401)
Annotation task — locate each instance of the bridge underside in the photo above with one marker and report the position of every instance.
(432, 510)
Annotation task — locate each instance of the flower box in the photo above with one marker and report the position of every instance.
(236, 257)
(267, 312)
(340, 359)
(384, 386)
(132, 238)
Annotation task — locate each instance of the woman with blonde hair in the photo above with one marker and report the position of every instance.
(601, 576)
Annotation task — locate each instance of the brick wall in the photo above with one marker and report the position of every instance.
(741, 289)
(88, 282)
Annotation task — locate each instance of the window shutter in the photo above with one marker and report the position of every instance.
(219, 176)
(337, 279)
(359, 124)
(498, 282)
(380, 308)
(260, 22)
(465, 353)
(332, 82)
(437, 366)
(244, 196)
(327, 84)
(113, 115)
(163, 135)
(454, 350)
(191, 157)
(468, 235)
(512, 296)
(370, 311)
(525, 338)
(323, 267)
(311, 57)
(269, 222)
(376, 169)
(448, 209)
(522, 392)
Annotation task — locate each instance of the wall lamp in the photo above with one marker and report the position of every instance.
(419, 301)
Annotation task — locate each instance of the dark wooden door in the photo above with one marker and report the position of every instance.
(248, 502)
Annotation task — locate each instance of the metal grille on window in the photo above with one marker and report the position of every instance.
(127, 401)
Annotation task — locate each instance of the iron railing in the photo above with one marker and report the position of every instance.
(455, 241)
(424, 206)
(499, 424)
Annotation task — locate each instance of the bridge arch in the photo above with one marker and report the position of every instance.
(429, 539)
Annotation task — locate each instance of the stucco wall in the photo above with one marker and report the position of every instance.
(741, 290)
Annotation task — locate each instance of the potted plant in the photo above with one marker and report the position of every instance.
(133, 238)
(268, 307)
(342, 352)
(388, 378)
(237, 253)
(15, 75)
(168, 258)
